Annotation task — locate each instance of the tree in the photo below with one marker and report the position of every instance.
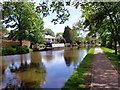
(46, 7)
(3, 30)
(49, 32)
(59, 34)
(74, 35)
(26, 23)
(35, 33)
(68, 34)
(102, 16)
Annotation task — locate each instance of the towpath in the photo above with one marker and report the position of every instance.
(104, 75)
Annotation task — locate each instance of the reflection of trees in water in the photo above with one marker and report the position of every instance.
(33, 74)
(71, 55)
(48, 56)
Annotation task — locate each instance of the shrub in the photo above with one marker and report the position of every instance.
(8, 51)
(15, 50)
(119, 56)
(62, 40)
(22, 49)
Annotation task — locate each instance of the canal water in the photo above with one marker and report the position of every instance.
(45, 69)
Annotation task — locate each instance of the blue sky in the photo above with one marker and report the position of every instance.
(73, 18)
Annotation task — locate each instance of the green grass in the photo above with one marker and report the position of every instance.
(115, 59)
(78, 79)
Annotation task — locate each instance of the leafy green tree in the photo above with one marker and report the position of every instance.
(48, 31)
(26, 22)
(59, 33)
(74, 35)
(46, 7)
(3, 30)
(35, 33)
(68, 34)
(101, 17)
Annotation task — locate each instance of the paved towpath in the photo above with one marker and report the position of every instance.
(104, 75)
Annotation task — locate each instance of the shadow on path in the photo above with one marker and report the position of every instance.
(104, 75)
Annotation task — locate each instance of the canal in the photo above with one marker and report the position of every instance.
(45, 69)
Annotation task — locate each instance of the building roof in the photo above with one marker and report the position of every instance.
(49, 36)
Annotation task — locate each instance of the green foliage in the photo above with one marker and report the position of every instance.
(49, 32)
(8, 51)
(70, 35)
(15, 50)
(3, 29)
(80, 40)
(74, 35)
(61, 40)
(112, 57)
(102, 19)
(58, 7)
(27, 22)
(77, 79)
(22, 49)
(67, 34)
(59, 33)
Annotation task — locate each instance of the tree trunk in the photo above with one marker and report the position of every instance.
(115, 46)
(20, 42)
(115, 39)
(31, 45)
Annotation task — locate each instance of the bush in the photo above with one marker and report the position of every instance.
(22, 49)
(62, 40)
(8, 51)
(15, 50)
(119, 56)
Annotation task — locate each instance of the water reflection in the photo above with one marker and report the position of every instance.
(28, 71)
(48, 55)
(46, 69)
(71, 56)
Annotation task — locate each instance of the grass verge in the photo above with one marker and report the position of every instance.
(115, 59)
(79, 78)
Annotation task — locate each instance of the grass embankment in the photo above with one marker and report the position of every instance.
(115, 59)
(79, 78)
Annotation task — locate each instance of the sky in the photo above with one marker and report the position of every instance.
(73, 18)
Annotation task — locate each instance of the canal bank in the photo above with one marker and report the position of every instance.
(80, 79)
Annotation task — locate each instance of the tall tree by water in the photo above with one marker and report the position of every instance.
(25, 22)
(103, 18)
(67, 34)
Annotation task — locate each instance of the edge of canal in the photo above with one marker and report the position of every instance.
(81, 77)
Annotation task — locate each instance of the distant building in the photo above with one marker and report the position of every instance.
(49, 38)
(59, 37)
